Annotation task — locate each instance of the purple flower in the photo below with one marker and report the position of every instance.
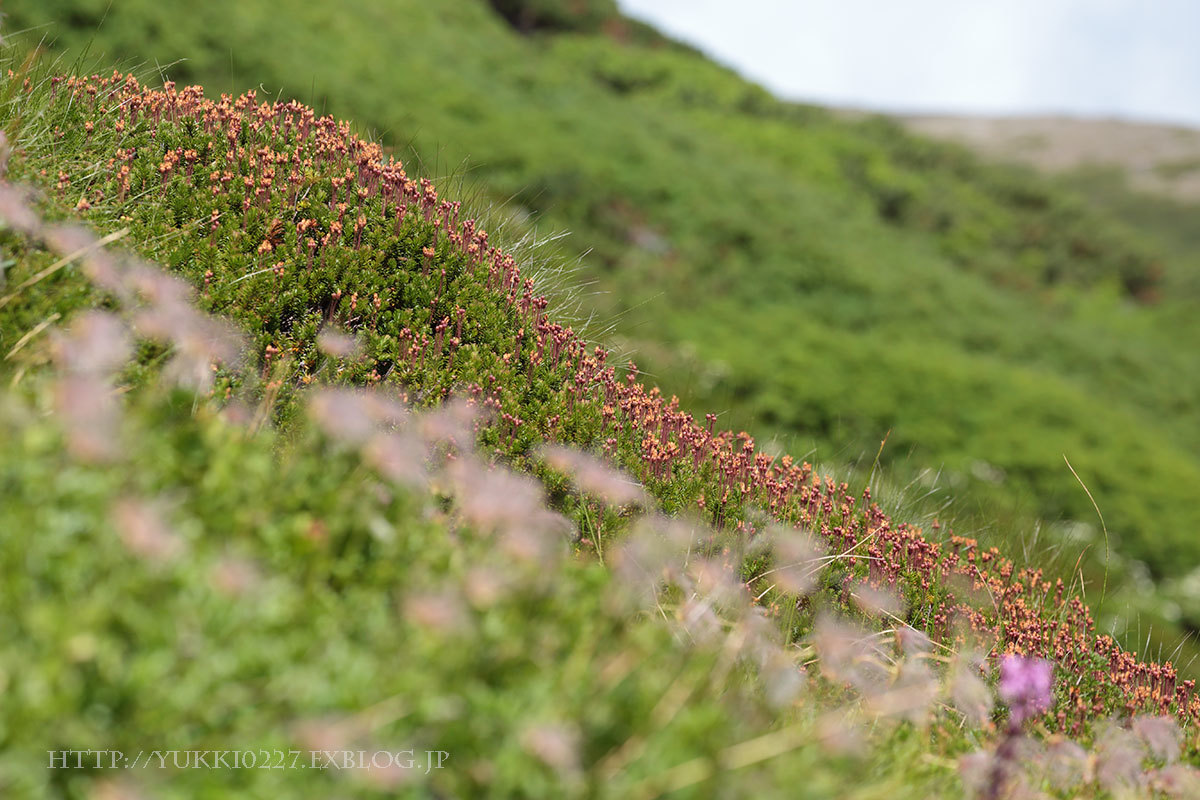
(1025, 686)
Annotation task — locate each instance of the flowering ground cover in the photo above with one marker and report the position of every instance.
(821, 282)
(344, 415)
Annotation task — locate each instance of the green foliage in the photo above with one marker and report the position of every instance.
(298, 608)
(705, 205)
(216, 586)
(827, 281)
(287, 614)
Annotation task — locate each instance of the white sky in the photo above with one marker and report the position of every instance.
(1120, 58)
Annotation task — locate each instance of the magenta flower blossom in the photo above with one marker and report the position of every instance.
(1025, 686)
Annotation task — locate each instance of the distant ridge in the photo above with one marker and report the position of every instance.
(1164, 159)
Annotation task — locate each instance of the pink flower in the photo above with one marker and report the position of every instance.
(1025, 685)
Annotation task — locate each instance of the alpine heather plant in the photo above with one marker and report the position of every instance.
(716, 611)
(282, 210)
(411, 450)
(486, 503)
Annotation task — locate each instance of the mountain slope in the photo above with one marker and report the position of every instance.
(287, 224)
(825, 283)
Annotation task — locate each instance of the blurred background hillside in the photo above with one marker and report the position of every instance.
(827, 280)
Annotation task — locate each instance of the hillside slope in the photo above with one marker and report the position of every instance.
(1146, 175)
(364, 576)
(822, 283)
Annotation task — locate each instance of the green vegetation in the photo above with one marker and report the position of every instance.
(991, 323)
(377, 533)
(280, 582)
(1169, 222)
(226, 589)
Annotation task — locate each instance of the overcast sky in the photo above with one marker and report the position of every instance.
(1123, 58)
